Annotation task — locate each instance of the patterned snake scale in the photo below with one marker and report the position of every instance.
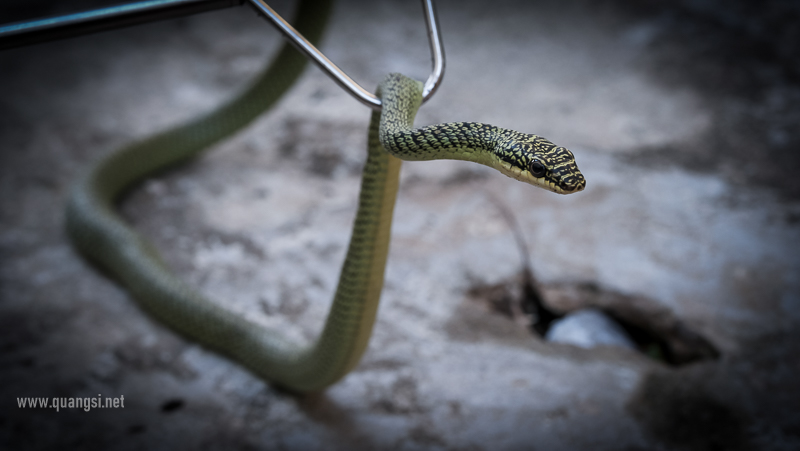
(527, 158)
(102, 236)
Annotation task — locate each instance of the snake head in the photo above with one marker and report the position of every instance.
(535, 160)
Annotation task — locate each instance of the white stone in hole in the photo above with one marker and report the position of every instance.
(589, 328)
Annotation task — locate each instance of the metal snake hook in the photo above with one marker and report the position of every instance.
(47, 29)
(341, 78)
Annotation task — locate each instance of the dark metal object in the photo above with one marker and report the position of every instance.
(342, 79)
(25, 33)
(43, 30)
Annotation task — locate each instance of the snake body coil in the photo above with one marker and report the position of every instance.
(102, 236)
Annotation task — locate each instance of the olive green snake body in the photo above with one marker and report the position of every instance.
(102, 236)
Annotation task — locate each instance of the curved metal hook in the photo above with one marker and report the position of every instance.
(341, 78)
(17, 34)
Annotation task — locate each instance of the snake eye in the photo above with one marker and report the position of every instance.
(537, 168)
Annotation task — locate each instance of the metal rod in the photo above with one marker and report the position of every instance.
(341, 78)
(437, 51)
(26, 33)
(70, 25)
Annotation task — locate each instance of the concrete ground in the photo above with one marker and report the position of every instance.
(682, 118)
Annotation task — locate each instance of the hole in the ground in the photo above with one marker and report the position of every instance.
(647, 342)
(656, 331)
(653, 329)
(607, 316)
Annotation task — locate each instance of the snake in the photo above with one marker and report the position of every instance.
(103, 237)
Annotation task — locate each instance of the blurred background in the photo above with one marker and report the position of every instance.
(682, 249)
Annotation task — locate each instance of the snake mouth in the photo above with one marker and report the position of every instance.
(564, 188)
(568, 178)
(571, 183)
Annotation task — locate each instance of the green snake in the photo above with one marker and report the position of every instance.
(102, 236)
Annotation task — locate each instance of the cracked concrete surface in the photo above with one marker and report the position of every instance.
(690, 212)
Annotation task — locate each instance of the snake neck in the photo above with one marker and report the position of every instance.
(401, 98)
(467, 141)
(470, 141)
(529, 158)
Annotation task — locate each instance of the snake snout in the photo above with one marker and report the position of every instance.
(573, 183)
(567, 174)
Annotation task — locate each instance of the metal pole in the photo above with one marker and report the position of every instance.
(25, 33)
(341, 78)
(53, 28)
